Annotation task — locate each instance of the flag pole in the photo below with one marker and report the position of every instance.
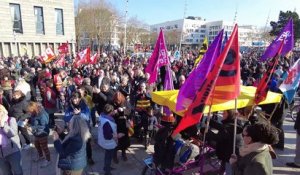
(235, 124)
(276, 106)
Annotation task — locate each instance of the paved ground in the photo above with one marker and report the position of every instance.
(136, 154)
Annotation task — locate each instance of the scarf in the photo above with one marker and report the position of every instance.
(257, 146)
(3, 137)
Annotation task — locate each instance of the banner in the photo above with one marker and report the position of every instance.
(196, 78)
(287, 34)
(158, 58)
(290, 85)
(195, 111)
(47, 56)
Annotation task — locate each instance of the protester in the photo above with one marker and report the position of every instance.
(18, 110)
(121, 116)
(3, 100)
(40, 131)
(72, 149)
(108, 136)
(254, 157)
(78, 107)
(10, 157)
(296, 162)
(50, 101)
(224, 138)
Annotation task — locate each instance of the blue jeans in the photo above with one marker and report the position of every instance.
(107, 159)
(11, 164)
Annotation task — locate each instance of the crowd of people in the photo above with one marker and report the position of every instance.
(114, 96)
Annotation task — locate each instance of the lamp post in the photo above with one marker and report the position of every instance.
(125, 27)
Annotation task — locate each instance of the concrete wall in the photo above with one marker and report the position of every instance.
(29, 41)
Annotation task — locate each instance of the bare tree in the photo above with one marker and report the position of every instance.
(97, 20)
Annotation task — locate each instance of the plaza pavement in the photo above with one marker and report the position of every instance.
(137, 153)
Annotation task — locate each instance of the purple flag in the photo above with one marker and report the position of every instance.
(168, 85)
(287, 33)
(196, 78)
(158, 58)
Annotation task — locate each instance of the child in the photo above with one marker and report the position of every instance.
(152, 122)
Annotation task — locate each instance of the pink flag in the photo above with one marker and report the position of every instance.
(158, 58)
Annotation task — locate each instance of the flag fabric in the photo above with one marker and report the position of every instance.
(195, 111)
(195, 79)
(290, 85)
(168, 85)
(228, 83)
(286, 34)
(93, 59)
(202, 51)
(64, 48)
(47, 56)
(262, 87)
(158, 58)
(61, 60)
(82, 57)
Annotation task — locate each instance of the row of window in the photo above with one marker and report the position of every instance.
(16, 18)
(194, 40)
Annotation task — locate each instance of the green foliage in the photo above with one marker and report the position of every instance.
(282, 21)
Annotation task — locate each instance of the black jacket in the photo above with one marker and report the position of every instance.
(101, 99)
(224, 138)
(297, 124)
(18, 109)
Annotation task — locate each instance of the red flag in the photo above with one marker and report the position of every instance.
(61, 60)
(228, 83)
(93, 59)
(83, 57)
(64, 48)
(262, 88)
(195, 111)
(47, 56)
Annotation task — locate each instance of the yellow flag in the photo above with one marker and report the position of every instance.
(202, 51)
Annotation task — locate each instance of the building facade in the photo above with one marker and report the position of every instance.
(195, 29)
(30, 26)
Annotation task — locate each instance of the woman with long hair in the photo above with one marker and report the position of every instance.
(40, 131)
(121, 117)
(72, 149)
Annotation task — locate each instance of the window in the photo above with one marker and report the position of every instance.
(59, 20)
(39, 20)
(16, 19)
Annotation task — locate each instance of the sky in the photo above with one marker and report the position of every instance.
(252, 12)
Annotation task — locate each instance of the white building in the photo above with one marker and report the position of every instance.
(30, 26)
(195, 29)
